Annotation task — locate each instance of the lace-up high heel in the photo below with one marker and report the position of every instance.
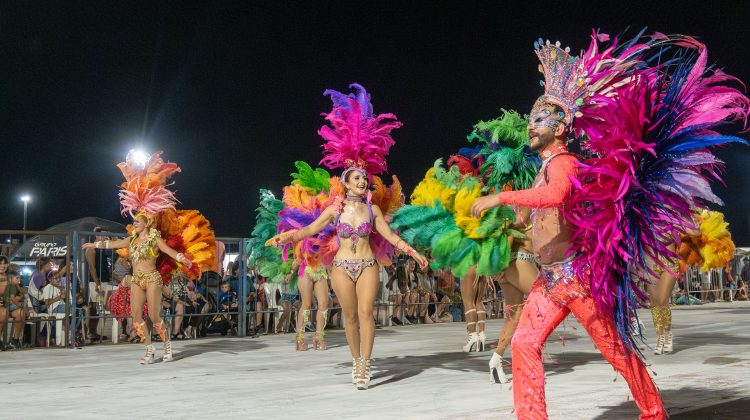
(161, 329)
(659, 347)
(364, 376)
(497, 374)
(668, 345)
(319, 342)
(355, 369)
(472, 342)
(301, 344)
(148, 358)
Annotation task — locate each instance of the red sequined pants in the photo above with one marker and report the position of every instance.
(547, 306)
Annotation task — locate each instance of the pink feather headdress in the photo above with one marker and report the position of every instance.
(356, 139)
(144, 190)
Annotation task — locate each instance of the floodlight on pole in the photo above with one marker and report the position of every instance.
(25, 198)
(140, 157)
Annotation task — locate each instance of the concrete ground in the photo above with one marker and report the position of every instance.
(419, 373)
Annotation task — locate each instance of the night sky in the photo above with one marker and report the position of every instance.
(233, 94)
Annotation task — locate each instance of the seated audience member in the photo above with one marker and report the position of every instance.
(4, 266)
(14, 299)
(54, 297)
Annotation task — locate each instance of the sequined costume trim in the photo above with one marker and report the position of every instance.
(316, 275)
(146, 250)
(552, 276)
(354, 267)
(145, 278)
(523, 256)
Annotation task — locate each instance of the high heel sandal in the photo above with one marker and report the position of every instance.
(481, 340)
(481, 337)
(148, 358)
(363, 379)
(668, 345)
(301, 345)
(472, 341)
(473, 338)
(497, 375)
(319, 342)
(161, 329)
(659, 347)
(355, 369)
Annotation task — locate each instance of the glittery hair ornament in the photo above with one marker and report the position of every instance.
(144, 190)
(356, 138)
(564, 83)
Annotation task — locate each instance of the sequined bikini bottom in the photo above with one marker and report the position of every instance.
(145, 278)
(355, 266)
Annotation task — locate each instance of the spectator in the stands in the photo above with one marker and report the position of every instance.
(54, 297)
(13, 299)
(37, 283)
(4, 265)
(99, 262)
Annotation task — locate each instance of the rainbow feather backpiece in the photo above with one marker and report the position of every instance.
(439, 218)
(186, 231)
(651, 128)
(355, 135)
(711, 246)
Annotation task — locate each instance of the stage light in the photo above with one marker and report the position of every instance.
(25, 198)
(140, 157)
(26, 271)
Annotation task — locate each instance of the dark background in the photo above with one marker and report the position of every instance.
(233, 93)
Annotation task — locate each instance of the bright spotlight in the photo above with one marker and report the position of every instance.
(26, 271)
(139, 157)
(25, 198)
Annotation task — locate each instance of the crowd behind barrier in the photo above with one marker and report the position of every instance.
(41, 307)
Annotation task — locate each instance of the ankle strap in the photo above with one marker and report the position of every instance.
(470, 323)
(469, 311)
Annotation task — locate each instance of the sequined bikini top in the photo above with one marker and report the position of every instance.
(347, 231)
(145, 250)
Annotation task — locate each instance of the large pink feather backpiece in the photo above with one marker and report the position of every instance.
(651, 129)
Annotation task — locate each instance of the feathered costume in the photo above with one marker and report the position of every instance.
(439, 214)
(710, 247)
(355, 138)
(652, 128)
(266, 260)
(649, 119)
(186, 231)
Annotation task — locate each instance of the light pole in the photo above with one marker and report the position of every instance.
(25, 198)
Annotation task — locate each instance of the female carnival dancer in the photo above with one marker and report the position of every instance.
(709, 247)
(304, 201)
(357, 140)
(189, 243)
(650, 128)
(439, 218)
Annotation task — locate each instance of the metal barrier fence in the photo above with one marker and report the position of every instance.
(84, 304)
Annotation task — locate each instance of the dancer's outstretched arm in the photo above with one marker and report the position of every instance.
(325, 219)
(385, 231)
(178, 256)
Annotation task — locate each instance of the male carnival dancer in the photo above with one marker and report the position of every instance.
(558, 291)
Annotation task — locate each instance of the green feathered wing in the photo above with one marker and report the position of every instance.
(267, 260)
(509, 160)
(313, 180)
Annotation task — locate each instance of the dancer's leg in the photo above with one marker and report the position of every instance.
(320, 288)
(604, 333)
(467, 295)
(539, 318)
(518, 279)
(480, 287)
(346, 293)
(513, 305)
(367, 289)
(137, 300)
